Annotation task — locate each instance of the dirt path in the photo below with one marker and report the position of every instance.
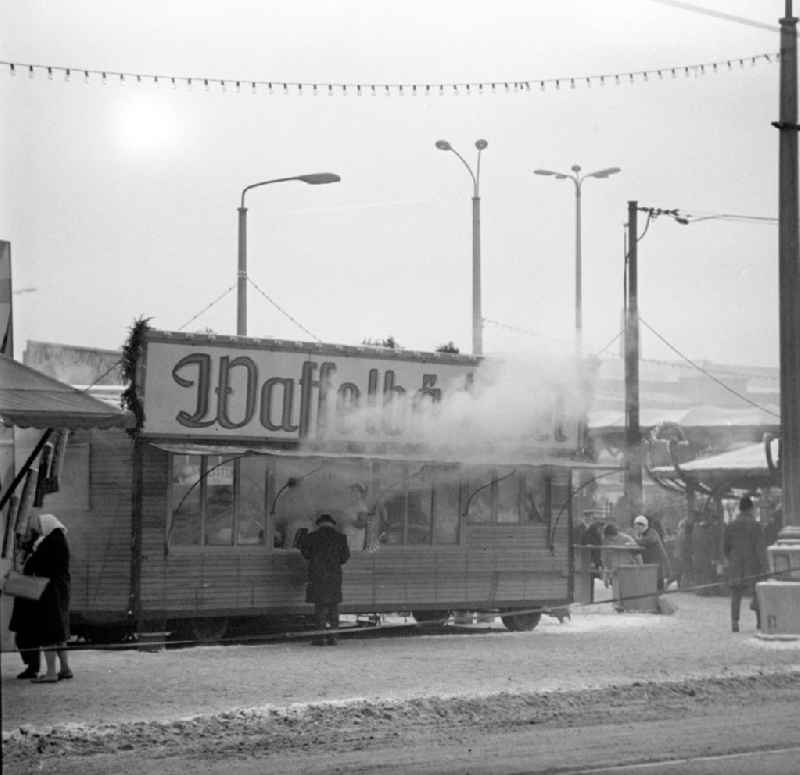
(496, 734)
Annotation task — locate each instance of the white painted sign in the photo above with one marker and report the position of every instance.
(196, 388)
(233, 389)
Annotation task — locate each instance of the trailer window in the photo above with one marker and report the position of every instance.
(219, 501)
(418, 515)
(306, 488)
(216, 499)
(446, 504)
(252, 506)
(508, 498)
(184, 527)
(479, 491)
(535, 497)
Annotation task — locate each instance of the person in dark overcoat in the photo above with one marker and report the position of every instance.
(50, 614)
(326, 551)
(652, 548)
(23, 617)
(746, 557)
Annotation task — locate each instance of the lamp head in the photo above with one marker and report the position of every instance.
(576, 168)
(544, 172)
(481, 144)
(318, 178)
(604, 173)
(443, 145)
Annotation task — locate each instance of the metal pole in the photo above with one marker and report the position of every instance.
(633, 467)
(135, 609)
(789, 278)
(477, 319)
(578, 269)
(241, 278)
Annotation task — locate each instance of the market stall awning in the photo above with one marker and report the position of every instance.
(750, 459)
(702, 416)
(30, 399)
(740, 468)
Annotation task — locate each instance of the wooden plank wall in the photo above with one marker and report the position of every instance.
(100, 531)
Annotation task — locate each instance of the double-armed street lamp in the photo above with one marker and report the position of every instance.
(578, 179)
(314, 179)
(477, 320)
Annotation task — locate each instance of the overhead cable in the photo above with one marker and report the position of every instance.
(281, 309)
(706, 372)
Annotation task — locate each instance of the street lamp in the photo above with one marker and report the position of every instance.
(578, 179)
(477, 320)
(314, 179)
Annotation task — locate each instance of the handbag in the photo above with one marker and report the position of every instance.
(19, 585)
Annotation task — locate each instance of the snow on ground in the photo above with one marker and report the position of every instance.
(597, 648)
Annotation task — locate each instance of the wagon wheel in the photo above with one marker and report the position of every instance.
(521, 622)
(209, 630)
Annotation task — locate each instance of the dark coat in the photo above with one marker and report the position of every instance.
(745, 551)
(326, 551)
(45, 622)
(23, 617)
(653, 551)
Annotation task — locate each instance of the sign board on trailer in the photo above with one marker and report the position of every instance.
(232, 389)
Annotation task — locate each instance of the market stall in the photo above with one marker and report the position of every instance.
(51, 410)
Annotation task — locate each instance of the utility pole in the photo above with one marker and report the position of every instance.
(779, 598)
(633, 442)
(578, 277)
(789, 278)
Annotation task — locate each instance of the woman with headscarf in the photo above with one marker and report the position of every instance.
(50, 558)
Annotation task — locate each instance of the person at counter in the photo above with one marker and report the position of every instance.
(653, 551)
(326, 551)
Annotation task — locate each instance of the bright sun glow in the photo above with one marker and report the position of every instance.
(143, 124)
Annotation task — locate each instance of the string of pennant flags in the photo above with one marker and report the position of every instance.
(357, 88)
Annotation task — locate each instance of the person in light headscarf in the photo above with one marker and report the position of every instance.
(50, 559)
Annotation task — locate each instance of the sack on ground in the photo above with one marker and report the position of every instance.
(666, 606)
(19, 585)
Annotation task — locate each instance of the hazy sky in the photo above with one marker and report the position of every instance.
(120, 201)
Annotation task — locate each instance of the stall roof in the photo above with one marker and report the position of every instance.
(750, 459)
(702, 416)
(30, 399)
(744, 467)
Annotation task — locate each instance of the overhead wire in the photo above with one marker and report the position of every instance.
(610, 343)
(207, 307)
(521, 330)
(705, 371)
(728, 17)
(281, 309)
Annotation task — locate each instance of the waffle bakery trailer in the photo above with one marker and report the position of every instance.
(189, 524)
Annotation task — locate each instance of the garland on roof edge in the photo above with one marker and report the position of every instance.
(131, 353)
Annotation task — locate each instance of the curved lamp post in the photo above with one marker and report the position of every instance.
(578, 179)
(477, 320)
(314, 179)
